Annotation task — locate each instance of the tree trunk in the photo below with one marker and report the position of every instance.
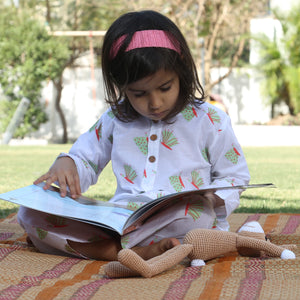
(59, 87)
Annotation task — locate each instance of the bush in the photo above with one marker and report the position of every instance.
(28, 57)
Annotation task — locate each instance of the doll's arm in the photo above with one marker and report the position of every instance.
(269, 248)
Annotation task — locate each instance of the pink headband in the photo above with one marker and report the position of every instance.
(146, 39)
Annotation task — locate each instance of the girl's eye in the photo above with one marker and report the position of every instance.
(165, 89)
(138, 95)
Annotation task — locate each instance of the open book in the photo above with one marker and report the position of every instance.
(112, 216)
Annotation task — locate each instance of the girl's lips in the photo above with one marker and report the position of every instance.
(159, 115)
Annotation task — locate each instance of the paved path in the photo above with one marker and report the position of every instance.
(259, 135)
(248, 135)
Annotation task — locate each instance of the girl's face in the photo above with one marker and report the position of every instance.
(155, 96)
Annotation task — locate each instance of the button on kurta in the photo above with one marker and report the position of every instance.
(152, 159)
(151, 163)
(153, 137)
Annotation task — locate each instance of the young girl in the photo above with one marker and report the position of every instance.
(161, 138)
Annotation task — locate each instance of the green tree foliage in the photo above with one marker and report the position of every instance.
(280, 62)
(28, 57)
(73, 15)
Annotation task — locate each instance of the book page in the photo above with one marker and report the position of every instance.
(84, 209)
(144, 212)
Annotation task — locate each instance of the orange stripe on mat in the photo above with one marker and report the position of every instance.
(88, 271)
(10, 216)
(271, 222)
(221, 272)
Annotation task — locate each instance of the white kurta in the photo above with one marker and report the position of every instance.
(198, 148)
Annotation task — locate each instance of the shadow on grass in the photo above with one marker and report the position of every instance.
(268, 205)
(267, 210)
(278, 199)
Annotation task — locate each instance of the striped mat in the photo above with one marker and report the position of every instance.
(27, 274)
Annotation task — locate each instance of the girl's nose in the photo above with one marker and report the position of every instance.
(154, 101)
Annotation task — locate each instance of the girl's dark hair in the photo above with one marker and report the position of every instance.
(128, 67)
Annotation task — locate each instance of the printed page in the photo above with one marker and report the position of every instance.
(144, 212)
(85, 209)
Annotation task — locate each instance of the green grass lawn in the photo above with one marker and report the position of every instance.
(278, 165)
(21, 165)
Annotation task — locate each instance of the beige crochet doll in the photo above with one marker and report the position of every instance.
(200, 245)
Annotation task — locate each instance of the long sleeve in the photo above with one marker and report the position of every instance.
(92, 151)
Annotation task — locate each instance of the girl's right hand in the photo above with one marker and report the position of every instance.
(63, 171)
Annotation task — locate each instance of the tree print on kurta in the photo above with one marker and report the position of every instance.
(231, 181)
(233, 155)
(130, 174)
(214, 225)
(124, 241)
(155, 240)
(69, 249)
(177, 183)
(168, 139)
(197, 181)
(213, 115)
(204, 153)
(111, 114)
(41, 233)
(160, 194)
(85, 163)
(194, 209)
(94, 166)
(56, 221)
(142, 143)
(98, 130)
(134, 205)
(93, 127)
(189, 113)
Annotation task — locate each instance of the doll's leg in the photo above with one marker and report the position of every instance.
(254, 230)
